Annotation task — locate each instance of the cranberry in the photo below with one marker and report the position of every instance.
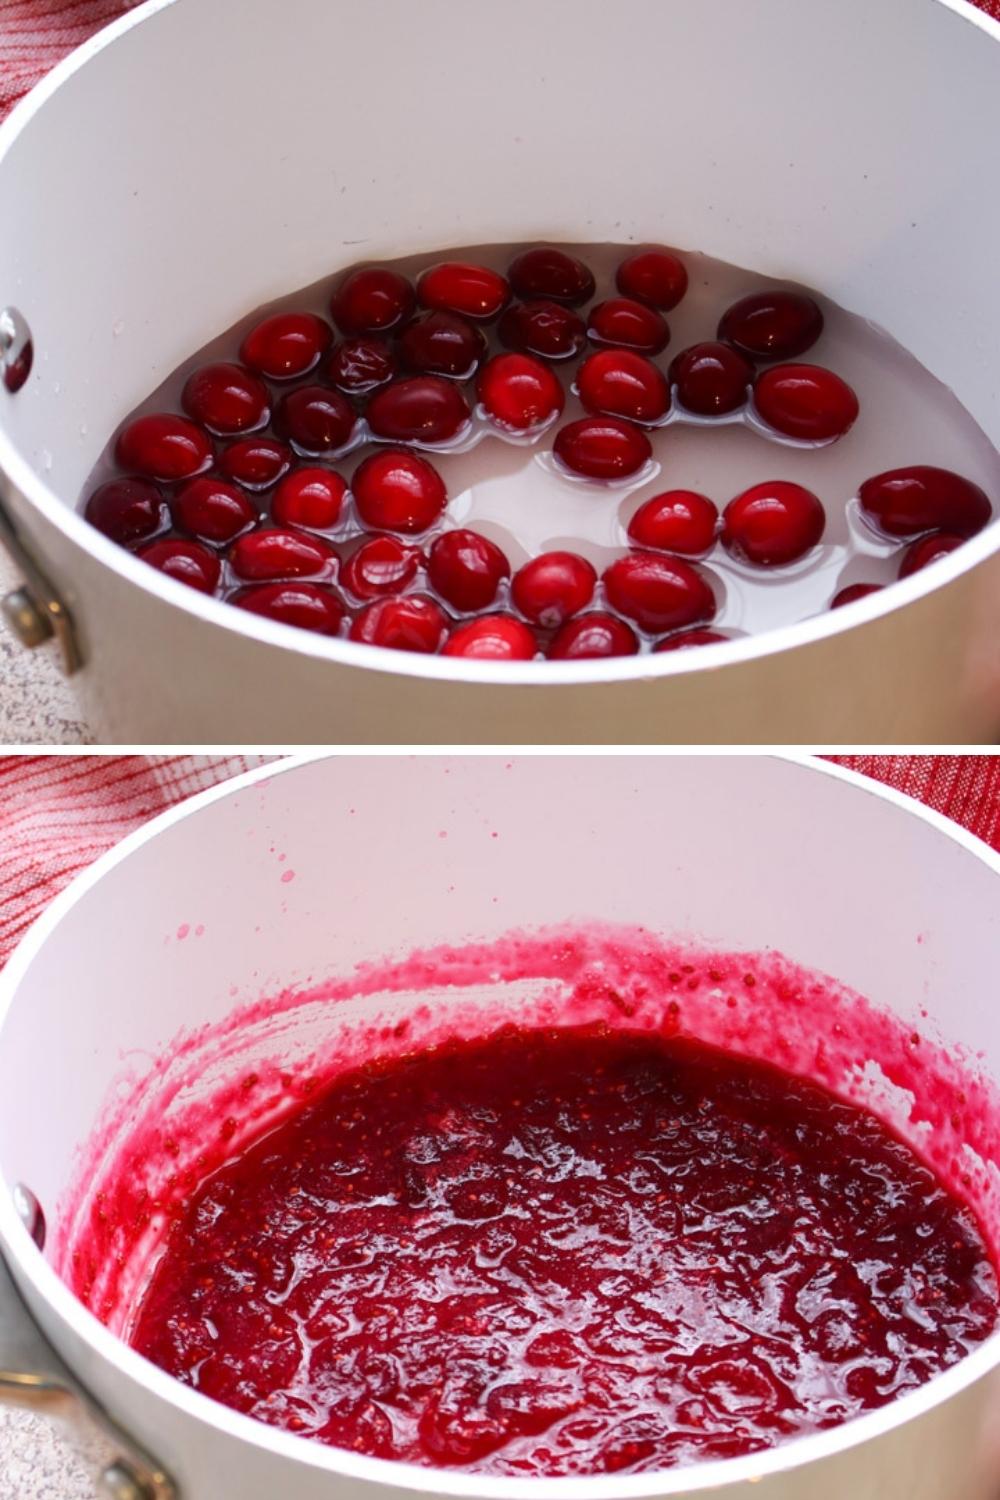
(126, 509)
(593, 635)
(928, 549)
(904, 502)
(685, 638)
(545, 329)
(519, 392)
(772, 325)
(602, 447)
(551, 274)
(805, 402)
(162, 446)
(381, 565)
(854, 591)
(423, 409)
(492, 638)
(372, 301)
(286, 345)
(256, 462)
(466, 569)
(315, 419)
(676, 521)
(212, 510)
(658, 593)
(188, 562)
(653, 276)
(628, 325)
(226, 399)
(620, 383)
(268, 555)
(773, 523)
(309, 497)
(398, 491)
(441, 343)
(358, 366)
(411, 624)
(457, 287)
(711, 379)
(553, 586)
(305, 605)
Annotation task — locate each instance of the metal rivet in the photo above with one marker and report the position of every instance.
(120, 1482)
(30, 624)
(29, 1211)
(16, 349)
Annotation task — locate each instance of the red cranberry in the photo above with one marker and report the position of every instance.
(410, 624)
(212, 510)
(126, 509)
(772, 325)
(602, 447)
(854, 591)
(928, 549)
(628, 325)
(305, 605)
(653, 276)
(685, 638)
(457, 287)
(309, 497)
(466, 569)
(551, 274)
(711, 379)
(358, 366)
(593, 635)
(226, 399)
(315, 419)
(372, 301)
(545, 329)
(676, 521)
(381, 565)
(268, 555)
(552, 587)
(492, 638)
(519, 392)
(658, 593)
(162, 446)
(286, 345)
(398, 491)
(904, 502)
(423, 409)
(773, 523)
(441, 343)
(188, 562)
(805, 402)
(620, 383)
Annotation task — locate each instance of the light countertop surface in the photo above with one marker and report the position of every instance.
(37, 705)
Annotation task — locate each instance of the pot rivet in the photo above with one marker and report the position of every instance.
(120, 1482)
(30, 624)
(16, 349)
(29, 1211)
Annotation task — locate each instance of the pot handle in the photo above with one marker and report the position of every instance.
(33, 1375)
(36, 612)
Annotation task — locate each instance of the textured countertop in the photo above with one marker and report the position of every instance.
(37, 706)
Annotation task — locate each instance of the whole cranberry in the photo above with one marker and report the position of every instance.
(621, 383)
(553, 586)
(594, 635)
(315, 419)
(551, 274)
(772, 325)
(519, 392)
(773, 523)
(309, 497)
(492, 638)
(360, 365)
(372, 301)
(854, 591)
(304, 605)
(422, 409)
(162, 446)
(654, 276)
(658, 593)
(126, 510)
(905, 502)
(286, 345)
(188, 562)
(271, 554)
(226, 399)
(441, 343)
(927, 550)
(458, 287)
(676, 521)
(711, 379)
(212, 509)
(255, 462)
(626, 324)
(545, 329)
(685, 638)
(381, 565)
(805, 402)
(602, 447)
(398, 491)
(410, 624)
(466, 569)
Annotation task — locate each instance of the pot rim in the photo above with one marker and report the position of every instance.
(544, 674)
(32, 1268)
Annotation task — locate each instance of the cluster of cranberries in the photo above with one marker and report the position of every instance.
(238, 496)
